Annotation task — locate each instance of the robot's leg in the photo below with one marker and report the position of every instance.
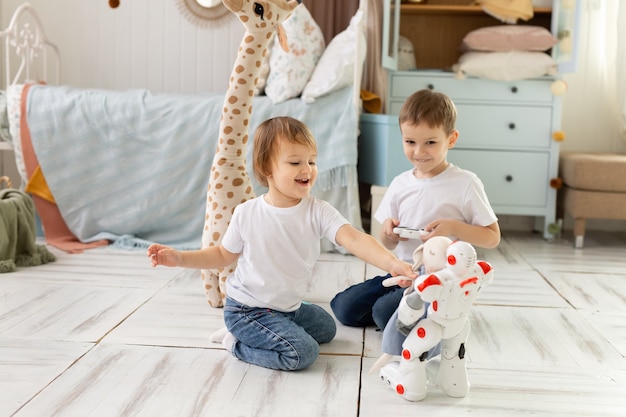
(408, 377)
(452, 376)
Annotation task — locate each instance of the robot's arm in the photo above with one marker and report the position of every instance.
(487, 272)
(410, 310)
(429, 287)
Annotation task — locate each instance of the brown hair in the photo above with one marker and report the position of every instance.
(430, 107)
(266, 142)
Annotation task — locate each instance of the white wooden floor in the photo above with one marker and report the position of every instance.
(104, 334)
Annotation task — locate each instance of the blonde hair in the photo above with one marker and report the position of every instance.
(430, 107)
(266, 143)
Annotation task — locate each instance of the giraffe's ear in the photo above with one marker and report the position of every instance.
(282, 37)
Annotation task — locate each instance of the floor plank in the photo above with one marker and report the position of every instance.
(28, 366)
(508, 392)
(120, 380)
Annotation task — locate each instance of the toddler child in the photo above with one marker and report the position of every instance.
(275, 239)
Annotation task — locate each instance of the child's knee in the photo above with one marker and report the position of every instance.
(302, 356)
(338, 309)
(328, 332)
(344, 312)
(381, 315)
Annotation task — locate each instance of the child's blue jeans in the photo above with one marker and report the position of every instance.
(278, 340)
(367, 303)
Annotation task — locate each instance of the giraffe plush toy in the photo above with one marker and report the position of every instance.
(229, 184)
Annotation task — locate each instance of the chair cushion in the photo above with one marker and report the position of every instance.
(593, 171)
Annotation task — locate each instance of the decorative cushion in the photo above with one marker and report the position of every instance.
(335, 69)
(509, 38)
(290, 71)
(505, 66)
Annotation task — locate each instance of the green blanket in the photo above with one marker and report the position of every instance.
(17, 232)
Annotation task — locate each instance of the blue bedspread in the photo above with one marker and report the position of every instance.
(133, 166)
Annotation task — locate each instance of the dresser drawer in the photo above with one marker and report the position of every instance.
(403, 84)
(510, 178)
(515, 127)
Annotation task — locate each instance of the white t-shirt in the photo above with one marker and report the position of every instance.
(279, 248)
(454, 194)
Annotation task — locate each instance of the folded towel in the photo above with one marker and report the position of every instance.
(508, 11)
(17, 232)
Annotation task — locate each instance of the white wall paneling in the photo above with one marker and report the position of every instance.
(141, 44)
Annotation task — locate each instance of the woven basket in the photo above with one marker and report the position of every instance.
(7, 182)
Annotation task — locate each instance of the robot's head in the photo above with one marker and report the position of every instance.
(461, 256)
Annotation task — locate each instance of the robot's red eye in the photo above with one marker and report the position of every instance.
(451, 260)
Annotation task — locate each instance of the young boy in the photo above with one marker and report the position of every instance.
(435, 195)
(275, 239)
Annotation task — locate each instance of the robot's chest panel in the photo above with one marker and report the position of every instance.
(456, 298)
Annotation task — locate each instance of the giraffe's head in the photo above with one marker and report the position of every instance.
(263, 15)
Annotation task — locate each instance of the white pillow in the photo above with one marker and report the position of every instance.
(335, 69)
(505, 66)
(290, 71)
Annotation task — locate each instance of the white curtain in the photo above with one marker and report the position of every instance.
(614, 13)
(594, 109)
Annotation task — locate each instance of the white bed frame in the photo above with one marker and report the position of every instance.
(28, 52)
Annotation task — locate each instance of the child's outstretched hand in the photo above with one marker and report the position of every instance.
(404, 270)
(163, 255)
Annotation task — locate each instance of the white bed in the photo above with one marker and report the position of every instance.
(131, 167)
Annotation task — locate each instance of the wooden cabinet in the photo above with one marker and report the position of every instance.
(437, 27)
(506, 127)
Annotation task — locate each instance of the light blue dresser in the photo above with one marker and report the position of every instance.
(507, 128)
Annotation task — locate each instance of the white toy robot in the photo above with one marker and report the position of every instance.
(451, 292)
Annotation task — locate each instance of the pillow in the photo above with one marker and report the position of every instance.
(505, 66)
(290, 71)
(509, 38)
(335, 69)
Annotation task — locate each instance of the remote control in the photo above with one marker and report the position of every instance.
(409, 233)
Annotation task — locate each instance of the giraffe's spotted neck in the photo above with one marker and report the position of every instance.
(239, 96)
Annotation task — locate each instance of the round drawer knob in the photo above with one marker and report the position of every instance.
(509, 178)
(431, 87)
(513, 89)
(511, 126)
